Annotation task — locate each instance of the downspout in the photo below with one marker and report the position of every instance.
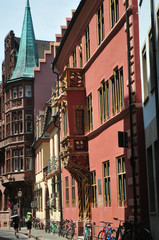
(156, 85)
(60, 182)
(132, 160)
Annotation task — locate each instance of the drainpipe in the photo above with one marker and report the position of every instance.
(156, 83)
(132, 160)
(60, 182)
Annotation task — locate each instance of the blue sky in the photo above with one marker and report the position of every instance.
(47, 16)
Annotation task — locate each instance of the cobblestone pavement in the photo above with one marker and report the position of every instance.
(36, 234)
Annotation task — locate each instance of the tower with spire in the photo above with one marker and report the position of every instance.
(28, 54)
(17, 123)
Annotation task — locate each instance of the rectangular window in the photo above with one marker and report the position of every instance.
(67, 191)
(87, 44)
(151, 55)
(121, 179)
(8, 169)
(20, 91)
(15, 160)
(28, 91)
(94, 188)
(90, 112)
(73, 192)
(74, 58)
(113, 94)
(65, 123)
(117, 92)
(28, 127)
(29, 163)
(79, 121)
(107, 195)
(17, 126)
(107, 98)
(14, 92)
(101, 104)
(104, 101)
(21, 159)
(144, 69)
(114, 11)
(100, 24)
(80, 54)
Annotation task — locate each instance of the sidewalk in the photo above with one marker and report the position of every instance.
(36, 234)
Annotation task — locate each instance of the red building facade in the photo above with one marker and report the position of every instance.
(94, 106)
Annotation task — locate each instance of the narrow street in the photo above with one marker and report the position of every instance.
(10, 235)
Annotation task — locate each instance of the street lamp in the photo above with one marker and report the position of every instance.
(19, 198)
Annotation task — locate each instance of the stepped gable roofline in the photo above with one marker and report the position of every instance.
(75, 15)
(28, 54)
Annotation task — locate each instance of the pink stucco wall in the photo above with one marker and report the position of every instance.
(44, 81)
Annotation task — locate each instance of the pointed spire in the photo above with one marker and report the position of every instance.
(28, 5)
(28, 54)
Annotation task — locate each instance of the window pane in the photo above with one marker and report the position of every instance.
(28, 91)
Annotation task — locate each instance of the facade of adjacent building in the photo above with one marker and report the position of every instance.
(17, 118)
(149, 58)
(94, 106)
(46, 193)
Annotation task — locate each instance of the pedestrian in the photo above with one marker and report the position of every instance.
(15, 221)
(29, 223)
